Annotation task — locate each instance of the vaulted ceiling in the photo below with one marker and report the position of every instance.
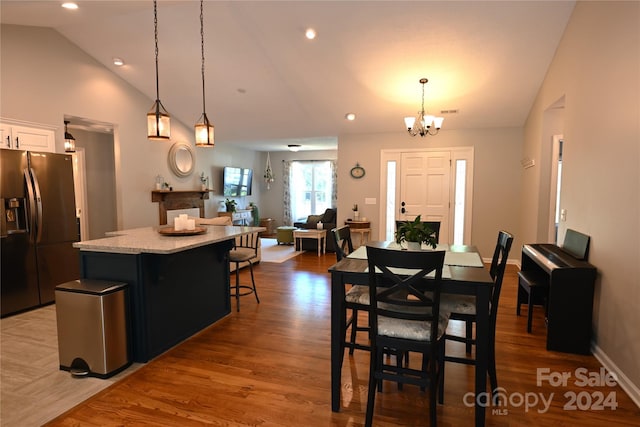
(268, 86)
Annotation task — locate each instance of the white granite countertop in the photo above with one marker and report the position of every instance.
(148, 240)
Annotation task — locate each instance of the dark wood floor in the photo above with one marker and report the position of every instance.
(269, 365)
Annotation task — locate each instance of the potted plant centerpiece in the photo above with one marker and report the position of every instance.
(415, 233)
(230, 205)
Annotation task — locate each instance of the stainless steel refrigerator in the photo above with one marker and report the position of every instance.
(38, 228)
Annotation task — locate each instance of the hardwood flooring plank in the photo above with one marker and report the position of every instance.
(269, 365)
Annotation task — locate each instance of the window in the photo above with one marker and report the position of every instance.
(311, 186)
(390, 228)
(460, 198)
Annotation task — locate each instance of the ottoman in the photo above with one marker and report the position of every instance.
(284, 234)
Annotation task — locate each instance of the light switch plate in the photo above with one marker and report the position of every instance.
(369, 200)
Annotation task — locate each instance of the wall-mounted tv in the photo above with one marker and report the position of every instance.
(236, 182)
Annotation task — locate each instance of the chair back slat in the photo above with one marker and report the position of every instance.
(342, 240)
(251, 241)
(405, 294)
(498, 265)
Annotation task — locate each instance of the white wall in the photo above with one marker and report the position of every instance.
(496, 177)
(597, 71)
(45, 77)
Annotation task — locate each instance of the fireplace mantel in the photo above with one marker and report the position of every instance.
(179, 199)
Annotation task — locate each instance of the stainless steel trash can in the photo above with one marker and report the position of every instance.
(92, 320)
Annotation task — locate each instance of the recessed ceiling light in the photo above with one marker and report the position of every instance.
(69, 5)
(118, 62)
(294, 147)
(350, 116)
(310, 33)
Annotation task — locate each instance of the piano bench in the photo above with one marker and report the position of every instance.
(535, 286)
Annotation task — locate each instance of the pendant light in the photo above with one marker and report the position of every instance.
(69, 140)
(158, 120)
(204, 128)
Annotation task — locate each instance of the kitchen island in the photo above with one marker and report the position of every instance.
(178, 285)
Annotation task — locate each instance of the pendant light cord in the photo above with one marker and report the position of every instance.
(422, 100)
(202, 50)
(155, 24)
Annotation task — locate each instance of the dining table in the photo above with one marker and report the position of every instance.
(464, 273)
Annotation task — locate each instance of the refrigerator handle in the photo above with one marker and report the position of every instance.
(32, 205)
(38, 205)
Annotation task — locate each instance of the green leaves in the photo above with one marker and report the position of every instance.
(416, 231)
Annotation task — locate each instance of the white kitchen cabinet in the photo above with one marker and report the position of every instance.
(32, 137)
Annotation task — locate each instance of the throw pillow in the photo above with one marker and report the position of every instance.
(313, 219)
(329, 216)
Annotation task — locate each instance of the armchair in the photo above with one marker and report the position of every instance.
(328, 219)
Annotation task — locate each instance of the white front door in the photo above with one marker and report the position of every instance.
(425, 188)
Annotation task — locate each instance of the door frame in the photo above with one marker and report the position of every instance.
(457, 153)
(80, 184)
(555, 193)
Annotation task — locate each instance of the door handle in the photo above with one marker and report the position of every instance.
(17, 142)
(38, 205)
(8, 142)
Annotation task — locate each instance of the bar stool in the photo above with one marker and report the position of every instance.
(245, 250)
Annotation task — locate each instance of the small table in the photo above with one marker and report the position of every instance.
(361, 228)
(319, 235)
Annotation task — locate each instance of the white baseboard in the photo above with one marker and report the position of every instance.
(632, 390)
(625, 383)
(509, 261)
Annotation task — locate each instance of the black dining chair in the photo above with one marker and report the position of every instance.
(462, 307)
(357, 297)
(406, 318)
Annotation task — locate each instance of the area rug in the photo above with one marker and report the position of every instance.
(273, 252)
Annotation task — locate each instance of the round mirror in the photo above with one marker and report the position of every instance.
(181, 159)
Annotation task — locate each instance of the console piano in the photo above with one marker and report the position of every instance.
(569, 305)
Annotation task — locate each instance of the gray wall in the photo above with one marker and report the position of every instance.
(596, 71)
(45, 77)
(496, 176)
(100, 181)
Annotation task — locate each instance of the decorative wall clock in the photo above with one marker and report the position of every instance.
(357, 171)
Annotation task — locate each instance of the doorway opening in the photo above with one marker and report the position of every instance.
(555, 213)
(94, 177)
(436, 184)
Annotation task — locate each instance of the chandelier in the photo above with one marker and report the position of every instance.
(204, 128)
(423, 124)
(158, 120)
